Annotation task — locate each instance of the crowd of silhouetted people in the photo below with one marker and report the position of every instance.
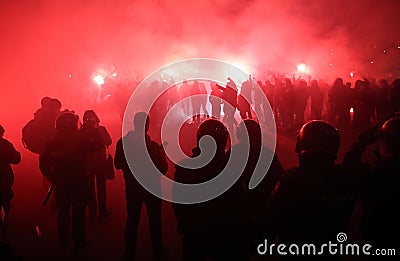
(310, 203)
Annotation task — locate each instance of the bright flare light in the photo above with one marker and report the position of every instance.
(301, 67)
(98, 79)
(351, 110)
(351, 74)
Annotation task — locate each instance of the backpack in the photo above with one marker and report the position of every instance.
(35, 136)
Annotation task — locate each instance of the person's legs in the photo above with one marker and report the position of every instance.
(133, 205)
(78, 220)
(101, 184)
(92, 202)
(153, 206)
(63, 202)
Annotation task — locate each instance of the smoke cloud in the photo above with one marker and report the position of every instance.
(53, 48)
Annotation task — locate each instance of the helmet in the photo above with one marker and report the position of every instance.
(215, 129)
(390, 136)
(90, 114)
(67, 121)
(318, 138)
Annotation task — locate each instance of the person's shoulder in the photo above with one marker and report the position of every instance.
(5, 143)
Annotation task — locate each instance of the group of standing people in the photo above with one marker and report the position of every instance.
(309, 203)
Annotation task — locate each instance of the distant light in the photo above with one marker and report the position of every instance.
(69, 75)
(330, 64)
(332, 53)
(98, 79)
(398, 47)
(351, 74)
(301, 67)
(372, 62)
(384, 51)
(351, 110)
(114, 74)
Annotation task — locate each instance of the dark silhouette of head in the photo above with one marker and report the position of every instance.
(390, 137)
(45, 102)
(396, 83)
(67, 122)
(338, 82)
(141, 122)
(90, 115)
(318, 139)
(216, 130)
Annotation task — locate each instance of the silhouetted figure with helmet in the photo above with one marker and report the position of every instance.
(379, 199)
(220, 228)
(314, 201)
(62, 162)
(136, 145)
(96, 138)
(258, 154)
(8, 155)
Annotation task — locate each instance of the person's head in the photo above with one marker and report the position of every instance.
(314, 83)
(396, 83)
(389, 138)
(216, 130)
(302, 84)
(45, 102)
(318, 139)
(67, 122)
(383, 83)
(338, 82)
(251, 129)
(1, 131)
(141, 122)
(90, 118)
(55, 105)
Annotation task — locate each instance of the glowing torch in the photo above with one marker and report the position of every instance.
(301, 67)
(98, 79)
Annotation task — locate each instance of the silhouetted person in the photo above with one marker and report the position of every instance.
(96, 139)
(301, 97)
(363, 105)
(340, 99)
(259, 100)
(220, 228)
(196, 100)
(8, 155)
(203, 98)
(382, 100)
(139, 143)
(258, 196)
(62, 162)
(315, 200)
(379, 200)
(394, 97)
(184, 92)
(244, 99)
(230, 103)
(215, 100)
(288, 108)
(316, 100)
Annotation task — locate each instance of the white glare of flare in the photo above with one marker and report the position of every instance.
(98, 79)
